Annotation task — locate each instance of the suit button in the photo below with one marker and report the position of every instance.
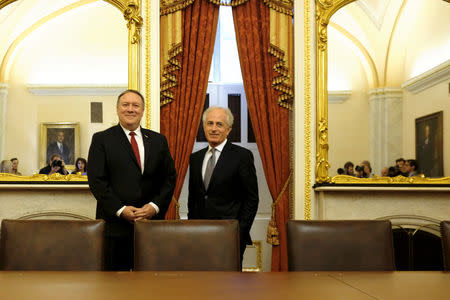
(206, 197)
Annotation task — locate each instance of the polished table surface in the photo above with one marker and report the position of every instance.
(224, 285)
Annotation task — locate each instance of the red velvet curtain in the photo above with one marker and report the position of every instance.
(270, 121)
(181, 117)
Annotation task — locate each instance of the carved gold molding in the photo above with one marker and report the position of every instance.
(148, 64)
(132, 14)
(43, 178)
(307, 107)
(171, 6)
(324, 10)
(258, 263)
(6, 2)
(387, 180)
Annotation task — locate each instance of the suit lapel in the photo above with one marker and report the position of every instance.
(146, 138)
(124, 143)
(199, 175)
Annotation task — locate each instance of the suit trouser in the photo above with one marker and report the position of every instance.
(119, 254)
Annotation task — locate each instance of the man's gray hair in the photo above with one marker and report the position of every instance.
(230, 118)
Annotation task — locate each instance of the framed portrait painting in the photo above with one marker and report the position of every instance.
(429, 145)
(61, 138)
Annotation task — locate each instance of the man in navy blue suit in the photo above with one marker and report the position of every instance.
(222, 177)
(132, 175)
(60, 147)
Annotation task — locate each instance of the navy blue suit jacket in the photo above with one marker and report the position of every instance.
(232, 192)
(115, 178)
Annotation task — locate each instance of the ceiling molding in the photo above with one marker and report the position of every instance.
(385, 93)
(76, 90)
(376, 15)
(337, 97)
(428, 79)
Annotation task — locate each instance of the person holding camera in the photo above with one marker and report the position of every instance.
(55, 165)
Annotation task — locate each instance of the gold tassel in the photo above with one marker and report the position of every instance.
(272, 229)
(272, 233)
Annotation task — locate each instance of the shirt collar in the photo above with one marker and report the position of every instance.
(127, 132)
(219, 147)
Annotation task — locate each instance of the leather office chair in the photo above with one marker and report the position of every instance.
(340, 245)
(445, 238)
(186, 245)
(56, 245)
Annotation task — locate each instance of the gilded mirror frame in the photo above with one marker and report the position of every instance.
(131, 10)
(324, 11)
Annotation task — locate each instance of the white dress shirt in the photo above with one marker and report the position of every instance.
(208, 154)
(140, 143)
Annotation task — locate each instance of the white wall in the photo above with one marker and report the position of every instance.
(71, 49)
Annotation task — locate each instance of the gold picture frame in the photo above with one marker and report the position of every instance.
(324, 11)
(133, 21)
(67, 134)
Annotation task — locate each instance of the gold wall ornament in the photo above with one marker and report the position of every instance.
(148, 64)
(282, 6)
(131, 11)
(257, 245)
(324, 10)
(43, 178)
(3, 3)
(322, 164)
(345, 179)
(307, 107)
(171, 6)
(132, 14)
(231, 3)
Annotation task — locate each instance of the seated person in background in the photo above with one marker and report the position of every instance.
(55, 165)
(80, 166)
(412, 168)
(385, 172)
(15, 166)
(392, 171)
(364, 170)
(349, 169)
(399, 164)
(6, 166)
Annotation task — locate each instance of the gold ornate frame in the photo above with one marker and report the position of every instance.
(57, 126)
(324, 10)
(131, 10)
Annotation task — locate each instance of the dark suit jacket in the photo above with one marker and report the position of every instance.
(65, 153)
(232, 192)
(115, 178)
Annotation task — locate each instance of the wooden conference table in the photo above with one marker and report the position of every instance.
(224, 285)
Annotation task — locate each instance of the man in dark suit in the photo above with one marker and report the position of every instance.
(222, 177)
(60, 148)
(132, 176)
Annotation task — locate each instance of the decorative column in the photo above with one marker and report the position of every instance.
(3, 102)
(385, 117)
